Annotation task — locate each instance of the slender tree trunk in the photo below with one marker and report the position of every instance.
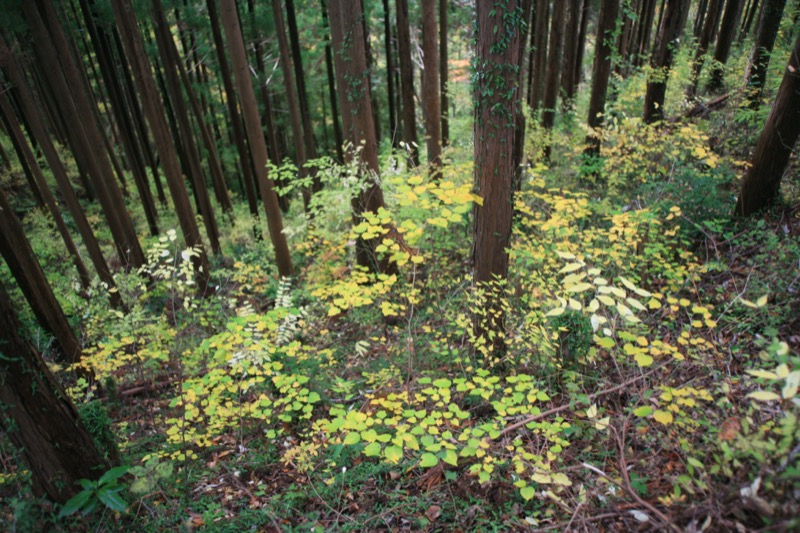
(747, 20)
(40, 419)
(233, 111)
(126, 22)
(31, 111)
(727, 32)
(767, 32)
(554, 65)
(568, 84)
(297, 61)
(390, 73)
(709, 28)
(775, 144)
(497, 98)
(601, 71)
(675, 14)
(581, 51)
(645, 31)
(53, 52)
(21, 261)
(699, 19)
(26, 154)
(258, 148)
(431, 105)
(540, 61)
(353, 82)
(406, 82)
(337, 127)
(443, 72)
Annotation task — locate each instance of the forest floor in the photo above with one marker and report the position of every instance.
(648, 382)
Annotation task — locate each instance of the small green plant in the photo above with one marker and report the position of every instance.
(105, 490)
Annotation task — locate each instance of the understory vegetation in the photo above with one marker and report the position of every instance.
(649, 377)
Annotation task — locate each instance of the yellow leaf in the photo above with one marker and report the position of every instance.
(663, 417)
(572, 267)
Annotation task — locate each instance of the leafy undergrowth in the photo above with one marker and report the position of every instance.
(648, 380)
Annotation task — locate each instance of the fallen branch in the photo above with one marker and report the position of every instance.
(701, 109)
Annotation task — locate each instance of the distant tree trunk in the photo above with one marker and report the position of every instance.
(126, 23)
(233, 110)
(353, 82)
(431, 105)
(539, 70)
(727, 32)
(21, 261)
(581, 51)
(187, 136)
(497, 101)
(40, 419)
(699, 19)
(53, 52)
(648, 13)
(747, 19)
(104, 57)
(568, 84)
(774, 146)
(554, 65)
(31, 111)
(406, 82)
(601, 70)
(767, 32)
(331, 76)
(26, 154)
(709, 28)
(671, 28)
(443, 72)
(258, 148)
(390, 73)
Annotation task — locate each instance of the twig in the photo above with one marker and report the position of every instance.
(554, 410)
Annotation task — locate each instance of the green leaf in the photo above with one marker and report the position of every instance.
(643, 411)
(112, 500)
(527, 493)
(373, 450)
(352, 438)
(428, 460)
(76, 503)
(450, 457)
(114, 473)
(393, 454)
(643, 360)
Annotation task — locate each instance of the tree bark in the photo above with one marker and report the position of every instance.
(709, 28)
(126, 23)
(727, 32)
(554, 66)
(497, 100)
(774, 146)
(407, 82)
(353, 83)
(601, 70)
(39, 417)
(443, 72)
(648, 13)
(258, 148)
(675, 14)
(747, 19)
(539, 70)
(390, 73)
(568, 84)
(431, 105)
(331, 77)
(767, 32)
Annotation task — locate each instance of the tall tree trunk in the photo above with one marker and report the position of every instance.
(337, 127)
(170, 62)
(21, 261)
(699, 19)
(709, 28)
(406, 82)
(36, 123)
(774, 146)
(53, 52)
(443, 72)
(25, 153)
(767, 32)
(568, 84)
(233, 110)
(353, 83)
(554, 65)
(390, 73)
(581, 50)
(675, 14)
(431, 105)
(132, 39)
(747, 19)
(648, 13)
(601, 71)
(540, 48)
(497, 100)
(258, 148)
(40, 419)
(727, 32)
